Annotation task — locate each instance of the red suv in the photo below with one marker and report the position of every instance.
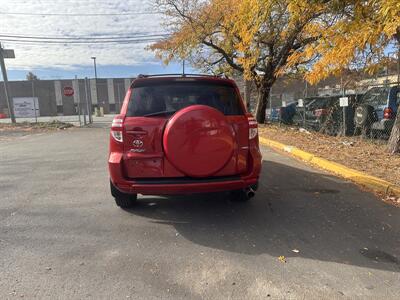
(183, 134)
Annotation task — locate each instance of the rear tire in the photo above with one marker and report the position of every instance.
(366, 131)
(121, 199)
(126, 201)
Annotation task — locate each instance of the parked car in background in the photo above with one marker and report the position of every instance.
(282, 114)
(272, 114)
(288, 112)
(376, 112)
(314, 112)
(333, 123)
(325, 115)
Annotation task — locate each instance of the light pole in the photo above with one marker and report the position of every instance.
(95, 67)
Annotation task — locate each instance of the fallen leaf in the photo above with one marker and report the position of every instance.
(282, 259)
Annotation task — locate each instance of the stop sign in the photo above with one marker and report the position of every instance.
(68, 91)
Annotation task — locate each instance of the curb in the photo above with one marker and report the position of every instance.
(368, 181)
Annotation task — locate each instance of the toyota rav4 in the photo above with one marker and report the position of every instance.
(182, 135)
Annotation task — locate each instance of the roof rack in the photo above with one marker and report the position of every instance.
(180, 74)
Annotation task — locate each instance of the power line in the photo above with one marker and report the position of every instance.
(38, 2)
(125, 41)
(32, 40)
(79, 38)
(80, 15)
(115, 43)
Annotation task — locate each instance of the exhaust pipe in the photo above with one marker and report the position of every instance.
(250, 192)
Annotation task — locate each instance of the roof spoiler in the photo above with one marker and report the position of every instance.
(182, 75)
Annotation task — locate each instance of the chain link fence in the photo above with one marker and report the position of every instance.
(79, 101)
(368, 112)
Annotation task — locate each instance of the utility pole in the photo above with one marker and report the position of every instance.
(7, 53)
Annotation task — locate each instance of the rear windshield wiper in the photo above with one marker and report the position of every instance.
(159, 113)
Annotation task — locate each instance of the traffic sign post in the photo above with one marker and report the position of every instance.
(300, 103)
(344, 102)
(7, 53)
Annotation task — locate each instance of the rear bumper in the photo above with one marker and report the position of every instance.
(177, 186)
(383, 125)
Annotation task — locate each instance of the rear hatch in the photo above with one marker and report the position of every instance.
(377, 97)
(155, 103)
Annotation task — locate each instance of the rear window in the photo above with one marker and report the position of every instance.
(376, 96)
(319, 103)
(155, 97)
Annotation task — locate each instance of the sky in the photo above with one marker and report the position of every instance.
(62, 19)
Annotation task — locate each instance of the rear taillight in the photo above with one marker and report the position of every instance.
(117, 135)
(253, 128)
(117, 123)
(117, 128)
(388, 113)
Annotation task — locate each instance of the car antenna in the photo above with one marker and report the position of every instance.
(183, 68)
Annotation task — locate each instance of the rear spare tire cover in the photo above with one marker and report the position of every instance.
(198, 141)
(361, 115)
(364, 115)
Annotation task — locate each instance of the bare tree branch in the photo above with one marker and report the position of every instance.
(226, 56)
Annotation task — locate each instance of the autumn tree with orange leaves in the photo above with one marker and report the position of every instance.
(366, 30)
(265, 39)
(257, 38)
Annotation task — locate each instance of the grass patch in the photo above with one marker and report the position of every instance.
(365, 155)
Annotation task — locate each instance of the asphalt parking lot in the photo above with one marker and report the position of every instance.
(306, 234)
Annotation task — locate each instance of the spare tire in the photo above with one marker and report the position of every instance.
(364, 115)
(198, 141)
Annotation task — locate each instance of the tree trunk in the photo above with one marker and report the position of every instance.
(394, 141)
(262, 100)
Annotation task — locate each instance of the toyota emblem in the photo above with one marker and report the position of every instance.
(137, 143)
